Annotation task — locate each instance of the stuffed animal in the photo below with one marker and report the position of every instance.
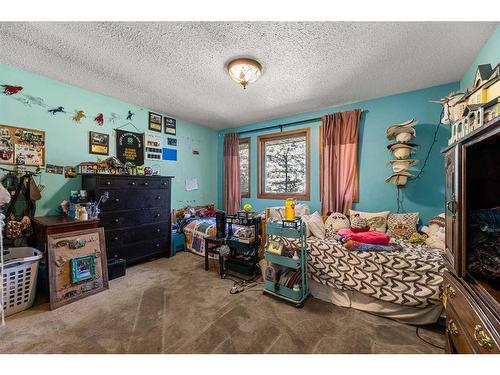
(359, 224)
(435, 232)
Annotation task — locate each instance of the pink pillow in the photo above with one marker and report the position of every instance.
(373, 237)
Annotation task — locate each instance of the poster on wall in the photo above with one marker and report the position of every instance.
(154, 122)
(169, 125)
(98, 143)
(22, 146)
(153, 146)
(130, 147)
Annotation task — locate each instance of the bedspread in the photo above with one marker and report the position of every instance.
(410, 277)
(198, 229)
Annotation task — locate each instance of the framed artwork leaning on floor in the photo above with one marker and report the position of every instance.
(77, 265)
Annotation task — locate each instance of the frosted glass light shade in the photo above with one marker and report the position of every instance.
(244, 71)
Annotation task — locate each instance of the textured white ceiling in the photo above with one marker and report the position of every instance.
(178, 68)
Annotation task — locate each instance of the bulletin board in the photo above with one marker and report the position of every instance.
(22, 146)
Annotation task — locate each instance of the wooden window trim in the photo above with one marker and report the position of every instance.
(261, 194)
(247, 140)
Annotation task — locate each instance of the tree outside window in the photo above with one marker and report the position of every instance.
(284, 165)
(245, 167)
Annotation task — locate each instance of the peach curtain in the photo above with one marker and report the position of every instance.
(232, 193)
(339, 172)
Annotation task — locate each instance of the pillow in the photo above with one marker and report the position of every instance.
(334, 222)
(372, 237)
(376, 220)
(278, 213)
(314, 225)
(402, 225)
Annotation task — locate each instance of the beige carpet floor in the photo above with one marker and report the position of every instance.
(174, 306)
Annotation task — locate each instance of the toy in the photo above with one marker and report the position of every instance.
(435, 232)
(466, 112)
(247, 207)
(290, 209)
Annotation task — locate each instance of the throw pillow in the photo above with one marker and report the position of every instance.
(334, 222)
(402, 225)
(278, 213)
(376, 220)
(315, 225)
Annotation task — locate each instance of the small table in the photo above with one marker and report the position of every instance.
(212, 244)
(47, 225)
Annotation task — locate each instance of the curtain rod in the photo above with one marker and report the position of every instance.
(281, 126)
(284, 125)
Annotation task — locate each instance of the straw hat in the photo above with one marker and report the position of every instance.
(401, 150)
(404, 127)
(399, 179)
(402, 165)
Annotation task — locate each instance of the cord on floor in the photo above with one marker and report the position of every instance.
(427, 342)
(241, 286)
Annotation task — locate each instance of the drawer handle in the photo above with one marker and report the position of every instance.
(117, 199)
(452, 205)
(157, 215)
(158, 230)
(133, 183)
(158, 197)
(116, 220)
(164, 183)
(116, 238)
(107, 183)
(451, 292)
(452, 327)
(157, 245)
(146, 184)
(482, 339)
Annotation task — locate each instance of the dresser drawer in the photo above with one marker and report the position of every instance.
(482, 335)
(121, 219)
(457, 334)
(141, 198)
(146, 249)
(131, 182)
(123, 237)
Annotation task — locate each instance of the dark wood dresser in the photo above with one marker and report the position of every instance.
(136, 217)
(471, 293)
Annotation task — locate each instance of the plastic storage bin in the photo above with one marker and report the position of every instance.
(19, 278)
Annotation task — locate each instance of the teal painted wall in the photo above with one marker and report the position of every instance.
(67, 141)
(489, 54)
(425, 195)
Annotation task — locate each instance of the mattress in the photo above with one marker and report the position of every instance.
(409, 277)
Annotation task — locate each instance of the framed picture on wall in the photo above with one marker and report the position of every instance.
(154, 122)
(98, 143)
(169, 125)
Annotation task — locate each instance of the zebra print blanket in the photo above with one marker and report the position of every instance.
(410, 277)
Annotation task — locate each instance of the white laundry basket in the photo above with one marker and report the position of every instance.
(19, 278)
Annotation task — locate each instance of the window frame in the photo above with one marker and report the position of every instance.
(241, 141)
(261, 139)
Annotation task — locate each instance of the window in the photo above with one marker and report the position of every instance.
(284, 165)
(245, 167)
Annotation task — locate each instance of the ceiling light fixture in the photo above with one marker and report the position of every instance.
(244, 71)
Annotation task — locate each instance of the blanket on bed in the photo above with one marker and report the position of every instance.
(409, 277)
(197, 229)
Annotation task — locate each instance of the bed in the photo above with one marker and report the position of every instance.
(197, 228)
(403, 285)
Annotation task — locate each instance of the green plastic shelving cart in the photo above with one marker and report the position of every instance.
(295, 230)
